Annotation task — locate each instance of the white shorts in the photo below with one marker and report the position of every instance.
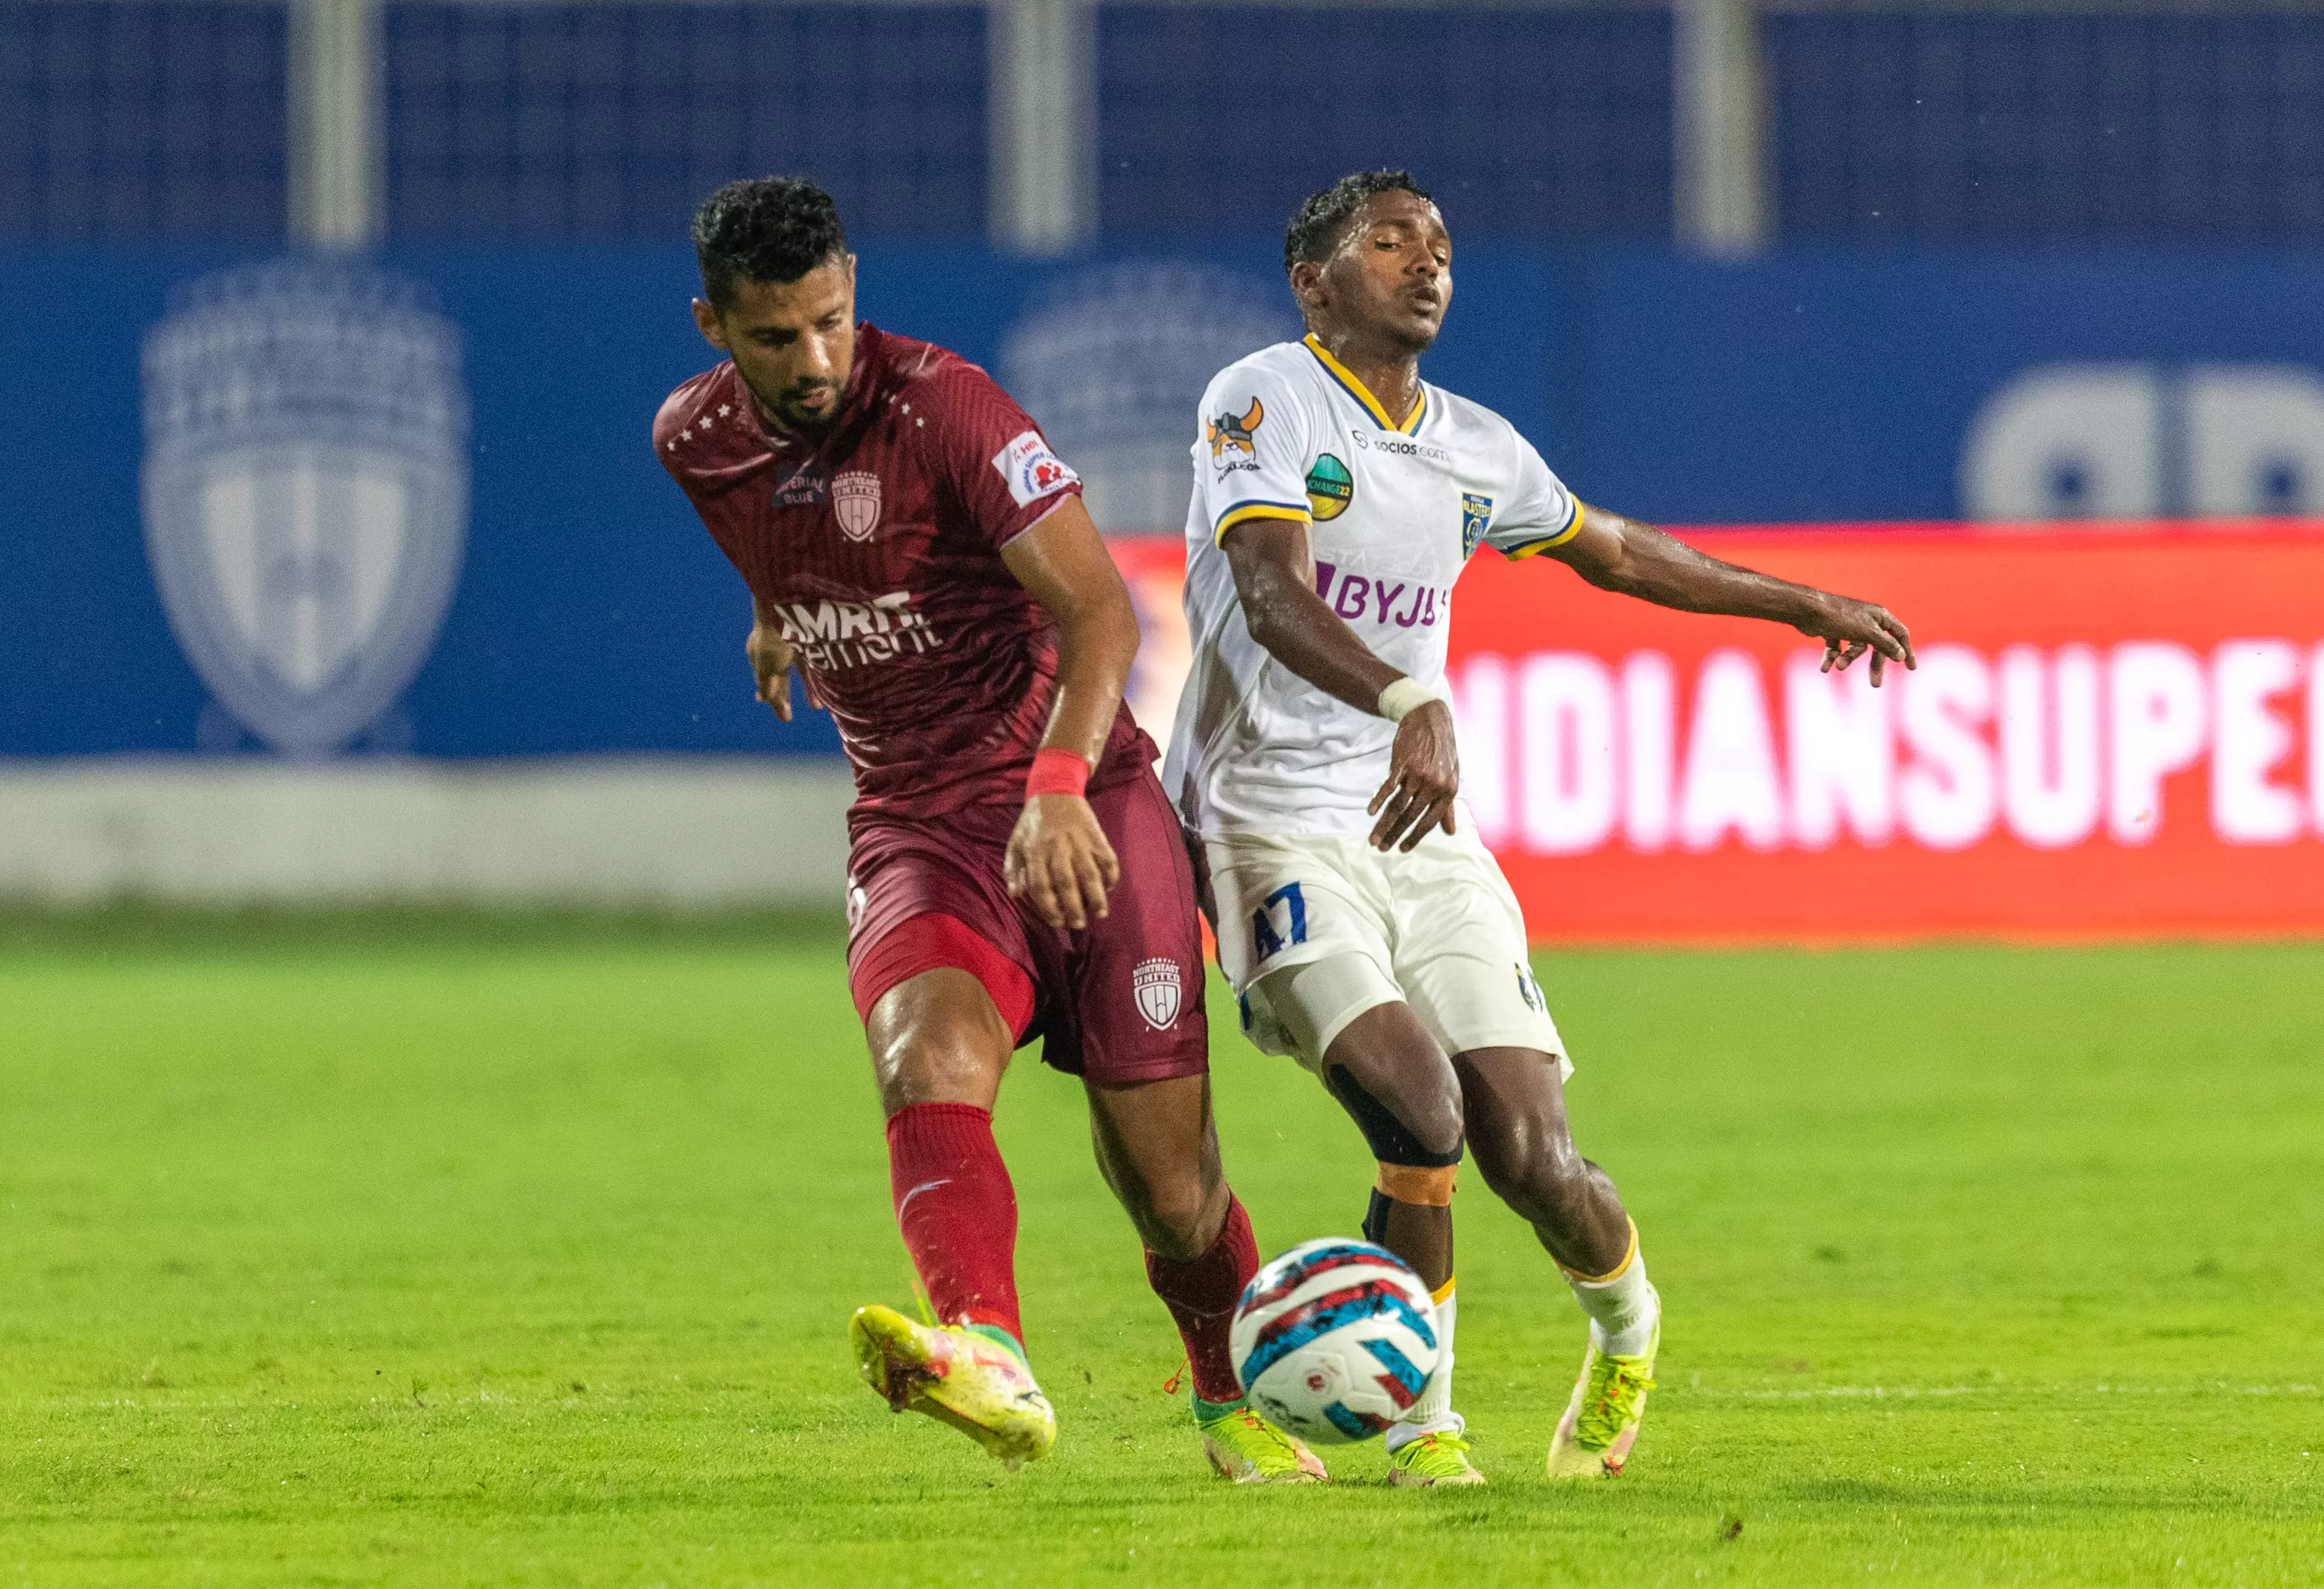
(1439, 925)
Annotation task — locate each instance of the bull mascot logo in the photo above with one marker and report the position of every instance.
(1227, 431)
(306, 491)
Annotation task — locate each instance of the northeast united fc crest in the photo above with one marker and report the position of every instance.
(1156, 985)
(855, 501)
(306, 491)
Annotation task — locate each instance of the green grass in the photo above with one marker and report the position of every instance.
(528, 1263)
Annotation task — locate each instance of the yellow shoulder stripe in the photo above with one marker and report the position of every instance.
(1572, 528)
(1250, 510)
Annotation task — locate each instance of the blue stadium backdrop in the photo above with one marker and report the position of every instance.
(590, 614)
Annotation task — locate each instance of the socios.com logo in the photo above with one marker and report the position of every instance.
(306, 491)
(2138, 441)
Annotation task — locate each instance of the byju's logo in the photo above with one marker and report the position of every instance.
(306, 491)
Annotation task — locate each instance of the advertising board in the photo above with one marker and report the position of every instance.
(2113, 731)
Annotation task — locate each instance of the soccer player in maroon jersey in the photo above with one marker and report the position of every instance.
(918, 553)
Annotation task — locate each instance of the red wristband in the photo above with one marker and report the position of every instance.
(1056, 772)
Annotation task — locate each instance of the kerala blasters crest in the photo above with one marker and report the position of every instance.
(306, 491)
(1156, 985)
(855, 501)
(1476, 518)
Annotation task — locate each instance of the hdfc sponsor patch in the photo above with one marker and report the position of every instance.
(1031, 469)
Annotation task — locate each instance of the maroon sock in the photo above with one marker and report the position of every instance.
(957, 1210)
(1201, 1294)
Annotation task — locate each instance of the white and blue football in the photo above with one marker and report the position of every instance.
(1334, 1339)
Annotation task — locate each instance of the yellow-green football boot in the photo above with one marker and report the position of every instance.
(1601, 1425)
(1438, 1458)
(957, 1375)
(1245, 1447)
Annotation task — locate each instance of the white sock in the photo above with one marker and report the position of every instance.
(1432, 1414)
(1623, 1306)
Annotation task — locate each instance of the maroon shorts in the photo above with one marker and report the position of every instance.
(1117, 1003)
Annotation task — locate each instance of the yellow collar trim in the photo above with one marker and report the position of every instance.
(1362, 393)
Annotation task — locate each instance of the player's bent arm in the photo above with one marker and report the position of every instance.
(1633, 558)
(1275, 577)
(1058, 856)
(1063, 562)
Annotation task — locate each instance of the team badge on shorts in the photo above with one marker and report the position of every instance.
(1529, 990)
(856, 500)
(1156, 985)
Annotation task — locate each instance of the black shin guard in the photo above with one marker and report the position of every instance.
(1390, 1140)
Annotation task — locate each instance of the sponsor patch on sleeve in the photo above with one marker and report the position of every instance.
(1031, 469)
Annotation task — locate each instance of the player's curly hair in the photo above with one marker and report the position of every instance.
(764, 229)
(1323, 220)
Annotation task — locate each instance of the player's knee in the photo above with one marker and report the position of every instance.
(1424, 1128)
(1179, 1226)
(1532, 1165)
(1176, 1215)
(930, 1048)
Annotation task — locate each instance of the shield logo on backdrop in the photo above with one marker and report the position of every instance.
(1155, 984)
(306, 491)
(855, 498)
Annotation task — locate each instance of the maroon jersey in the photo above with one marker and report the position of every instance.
(878, 548)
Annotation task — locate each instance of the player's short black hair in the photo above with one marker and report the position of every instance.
(1323, 220)
(764, 229)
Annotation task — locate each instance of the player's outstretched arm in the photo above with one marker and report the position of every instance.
(1274, 575)
(1058, 856)
(1636, 559)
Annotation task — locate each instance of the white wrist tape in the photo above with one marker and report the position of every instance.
(1405, 696)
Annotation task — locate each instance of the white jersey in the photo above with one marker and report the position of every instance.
(1394, 512)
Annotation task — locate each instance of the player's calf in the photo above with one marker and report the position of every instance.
(1158, 1149)
(1417, 1142)
(1525, 1150)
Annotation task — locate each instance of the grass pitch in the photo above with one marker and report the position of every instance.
(481, 1261)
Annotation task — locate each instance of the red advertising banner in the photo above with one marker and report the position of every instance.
(2116, 731)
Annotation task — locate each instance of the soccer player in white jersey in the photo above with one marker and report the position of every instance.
(1365, 928)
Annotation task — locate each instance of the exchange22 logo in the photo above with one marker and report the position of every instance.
(1330, 488)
